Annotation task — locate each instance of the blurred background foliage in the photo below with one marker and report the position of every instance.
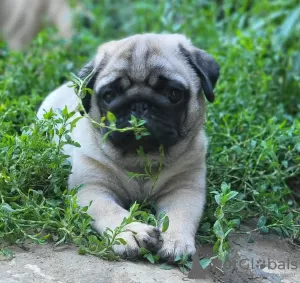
(253, 125)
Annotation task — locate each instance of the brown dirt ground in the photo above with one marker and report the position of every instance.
(268, 259)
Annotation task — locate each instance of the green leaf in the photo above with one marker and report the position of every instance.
(7, 208)
(235, 223)
(227, 232)
(165, 224)
(82, 251)
(74, 122)
(144, 251)
(49, 114)
(94, 239)
(105, 136)
(134, 207)
(229, 196)
(235, 207)
(289, 24)
(261, 221)
(111, 117)
(219, 213)
(277, 230)
(150, 258)
(145, 133)
(205, 262)
(224, 187)
(218, 199)
(188, 264)
(223, 255)
(6, 254)
(288, 220)
(89, 90)
(132, 175)
(264, 229)
(64, 112)
(161, 215)
(185, 257)
(76, 144)
(67, 137)
(141, 122)
(133, 120)
(218, 230)
(121, 240)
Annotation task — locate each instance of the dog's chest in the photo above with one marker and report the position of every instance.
(138, 189)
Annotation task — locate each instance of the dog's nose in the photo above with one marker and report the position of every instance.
(139, 109)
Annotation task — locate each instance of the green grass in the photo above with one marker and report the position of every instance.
(253, 126)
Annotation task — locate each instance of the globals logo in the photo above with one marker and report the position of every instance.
(268, 263)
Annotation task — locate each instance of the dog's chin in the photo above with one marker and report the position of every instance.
(128, 142)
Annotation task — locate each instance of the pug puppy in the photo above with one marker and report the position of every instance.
(162, 79)
(21, 20)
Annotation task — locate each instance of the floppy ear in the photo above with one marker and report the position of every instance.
(83, 73)
(205, 67)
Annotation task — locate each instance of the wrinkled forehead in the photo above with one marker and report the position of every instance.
(143, 59)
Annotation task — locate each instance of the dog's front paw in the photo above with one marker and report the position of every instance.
(138, 235)
(176, 245)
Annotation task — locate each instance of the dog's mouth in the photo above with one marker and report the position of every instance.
(128, 142)
(155, 132)
(161, 124)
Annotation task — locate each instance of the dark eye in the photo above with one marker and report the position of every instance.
(175, 95)
(108, 96)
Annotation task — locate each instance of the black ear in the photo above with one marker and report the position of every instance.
(83, 73)
(205, 67)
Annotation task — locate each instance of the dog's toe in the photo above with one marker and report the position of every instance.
(174, 246)
(148, 241)
(138, 235)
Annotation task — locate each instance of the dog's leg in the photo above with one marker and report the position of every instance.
(107, 213)
(184, 205)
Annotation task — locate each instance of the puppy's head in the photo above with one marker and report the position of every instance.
(158, 78)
